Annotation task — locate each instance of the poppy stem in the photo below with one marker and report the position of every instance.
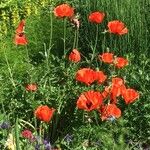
(27, 53)
(51, 31)
(17, 132)
(76, 38)
(40, 131)
(103, 43)
(74, 42)
(96, 118)
(64, 38)
(96, 39)
(9, 70)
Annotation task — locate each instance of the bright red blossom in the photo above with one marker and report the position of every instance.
(117, 27)
(116, 81)
(86, 75)
(90, 100)
(20, 37)
(21, 26)
(96, 17)
(44, 113)
(75, 56)
(107, 57)
(117, 89)
(106, 92)
(63, 10)
(109, 111)
(100, 77)
(120, 62)
(130, 95)
(31, 87)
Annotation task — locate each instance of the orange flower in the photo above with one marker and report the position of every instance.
(117, 27)
(130, 95)
(110, 110)
(20, 27)
(107, 57)
(44, 113)
(96, 17)
(116, 81)
(100, 76)
(75, 56)
(86, 75)
(117, 88)
(20, 38)
(63, 10)
(31, 87)
(89, 100)
(120, 62)
(106, 92)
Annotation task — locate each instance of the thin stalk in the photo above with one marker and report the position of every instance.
(54, 126)
(46, 56)
(35, 124)
(17, 135)
(40, 131)
(27, 55)
(96, 118)
(77, 38)
(96, 39)
(74, 42)
(51, 32)
(103, 44)
(9, 70)
(27, 123)
(64, 38)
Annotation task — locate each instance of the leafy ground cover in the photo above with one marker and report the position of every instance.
(76, 79)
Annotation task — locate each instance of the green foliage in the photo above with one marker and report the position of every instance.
(42, 62)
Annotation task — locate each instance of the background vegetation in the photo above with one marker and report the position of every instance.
(55, 81)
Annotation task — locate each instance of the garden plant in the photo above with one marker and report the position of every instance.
(75, 75)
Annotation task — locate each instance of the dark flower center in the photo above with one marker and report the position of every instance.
(88, 104)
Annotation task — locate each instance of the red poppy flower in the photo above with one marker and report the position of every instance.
(116, 81)
(109, 111)
(117, 27)
(27, 134)
(89, 100)
(107, 57)
(20, 27)
(31, 87)
(75, 56)
(120, 62)
(63, 10)
(100, 77)
(44, 113)
(130, 95)
(96, 17)
(117, 89)
(20, 38)
(86, 75)
(106, 92)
